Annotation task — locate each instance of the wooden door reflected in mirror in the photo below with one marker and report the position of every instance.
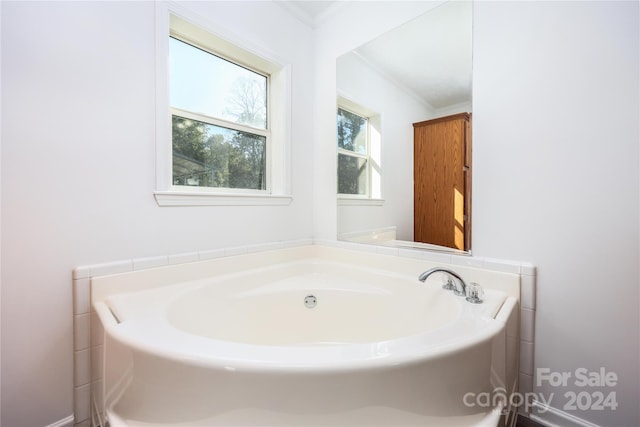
(442, 181)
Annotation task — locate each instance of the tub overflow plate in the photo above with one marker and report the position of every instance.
(310, 301)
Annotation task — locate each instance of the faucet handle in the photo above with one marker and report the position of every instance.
(474, 293)
(447, 282)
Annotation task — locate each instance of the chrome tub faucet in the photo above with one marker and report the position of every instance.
(456, 283)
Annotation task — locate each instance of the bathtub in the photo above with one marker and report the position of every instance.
(298, 337)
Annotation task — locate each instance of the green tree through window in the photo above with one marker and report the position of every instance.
(352, 153)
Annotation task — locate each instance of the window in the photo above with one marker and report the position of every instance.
(359, 150)
(353, 153)
(219, 120)
(222, 119)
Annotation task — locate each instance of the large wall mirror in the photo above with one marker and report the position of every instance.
(392, 91)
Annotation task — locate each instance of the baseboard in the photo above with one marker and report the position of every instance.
(65, 422)
(552, 417)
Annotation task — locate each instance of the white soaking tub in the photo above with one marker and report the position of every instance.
(305, 341)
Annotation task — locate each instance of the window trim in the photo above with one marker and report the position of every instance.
(173, 19)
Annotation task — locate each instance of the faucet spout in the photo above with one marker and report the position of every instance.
(460, 284)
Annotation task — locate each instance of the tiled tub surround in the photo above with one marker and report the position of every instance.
(89, 336)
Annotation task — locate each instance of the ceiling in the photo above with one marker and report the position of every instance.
(312, 13)
(429, 56)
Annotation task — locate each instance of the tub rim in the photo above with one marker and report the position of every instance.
(220, 354)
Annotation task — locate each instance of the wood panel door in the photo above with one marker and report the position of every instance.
(442, 184)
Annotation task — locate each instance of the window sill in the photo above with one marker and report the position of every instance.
(355, 201)
(178, 198)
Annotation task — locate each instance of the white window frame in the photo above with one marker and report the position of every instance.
(373, 196)
(174, 20)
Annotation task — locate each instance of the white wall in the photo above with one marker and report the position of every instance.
(556, 170)
(556, 116)
(357, 81)
(78, 171)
